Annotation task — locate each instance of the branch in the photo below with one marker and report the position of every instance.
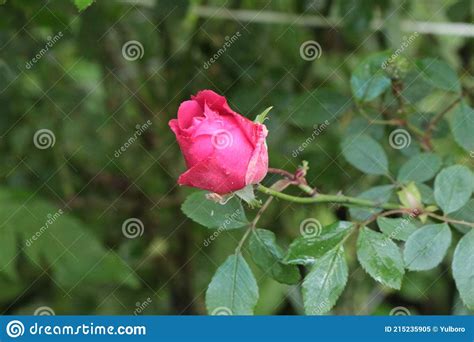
(321, 198)
(276, 17)
(450, 220)
(279, 185)
(298, 178)
(434, 122)
(281, 172)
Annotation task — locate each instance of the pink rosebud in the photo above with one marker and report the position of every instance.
(223, 150)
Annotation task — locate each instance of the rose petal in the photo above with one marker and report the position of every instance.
(258, 164)
(173, 123)
(223, 150)
(213, 100)
(248, 127)
(211, 175)
(186, 112)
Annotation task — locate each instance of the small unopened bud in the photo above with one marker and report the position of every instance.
(410, 197)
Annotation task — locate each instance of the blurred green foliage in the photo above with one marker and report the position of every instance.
(64, 70)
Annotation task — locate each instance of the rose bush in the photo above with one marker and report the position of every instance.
(378, 220)
(223, 150)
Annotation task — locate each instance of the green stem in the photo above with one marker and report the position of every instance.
(341, 199)
(242, 241)
(320, 198)
(391, 122)
(451, 220)
(306, 188)
(415, 129)
(280, 185)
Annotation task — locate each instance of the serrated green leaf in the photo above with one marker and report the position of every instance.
(462, 126)
(368, 79)
(463, 270)
(466, 213)
(427, 194)
(397, 228)
(233, 289)
(211, 214)
(420, 168)
(453, 187)
(460, 309)
(415, 87)
(83, 4)
(380, 257)
(365, 154)
(268, 256)
(380, 194)
(426, 247)
(439, 74)
(52, 238)
(306, 249)
(361, 125)
(422, 121)
(325, 282)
